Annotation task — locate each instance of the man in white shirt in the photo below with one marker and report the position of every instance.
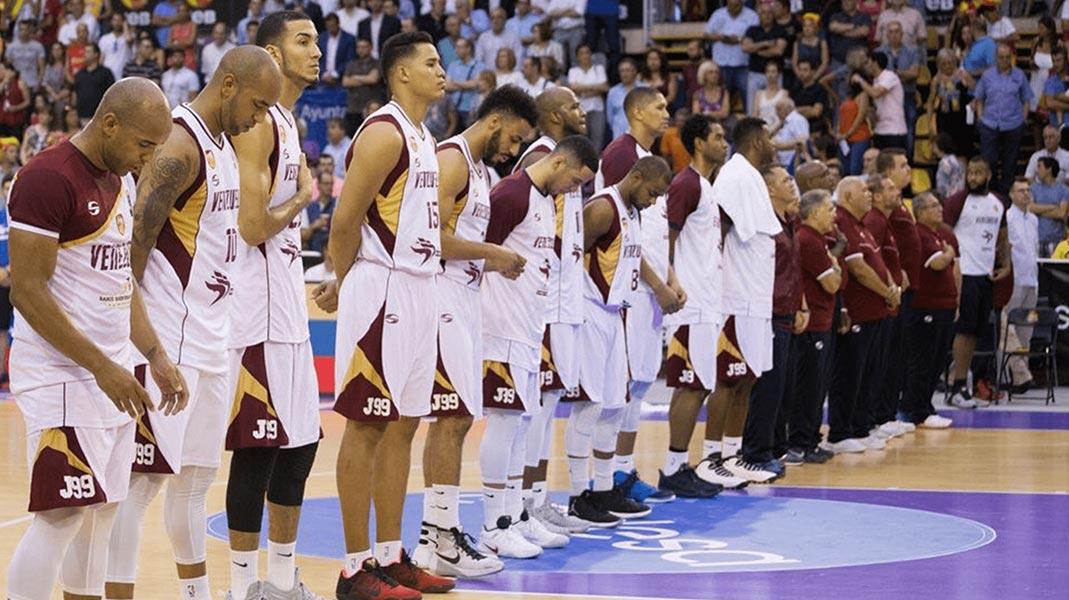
(568, 25)
(1051, 140)
(255, 13)
(898, 11)
(497, 38)
(1023, 232)
(726, 28)
(886, 91)
(77, 14)
(213, 52)
(179, 83)
(792, 134)
(999, 28)
(116, 46)
(350, 15)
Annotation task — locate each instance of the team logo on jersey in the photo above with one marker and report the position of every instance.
(425, 249)
(209, 157)
(120, 224)
(391, 318)
(282, 138)
(447, 317)
(544, 269)
(988, 236)
(414, 147)
(473, 271)
(577, 252)
(219, 284)
(291, 250)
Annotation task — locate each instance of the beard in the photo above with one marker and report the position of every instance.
(980, 190)
(493, 148)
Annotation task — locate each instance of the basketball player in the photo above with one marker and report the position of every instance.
(559, 115)
(522, 220)
(274, 415)
(614, 265)
(385, 246)
(694, 239)
(80, 314)
(647, 119)
(185, 243)
(504, 120)
(744, 347)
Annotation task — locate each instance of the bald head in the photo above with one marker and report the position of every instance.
(127, 128)
(246, 83)
(249, 65)
(811, 176)
(553, 99)
(133, 98)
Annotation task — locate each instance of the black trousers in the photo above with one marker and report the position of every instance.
(872, 381)
(895, 362)
(759, 434)
(932, 332)
(811, 352)
(852, 376)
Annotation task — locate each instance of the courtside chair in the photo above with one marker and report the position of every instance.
(1043, 346)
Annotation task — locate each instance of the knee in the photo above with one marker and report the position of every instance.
(454, 429)
(290, 474)
(362, 437)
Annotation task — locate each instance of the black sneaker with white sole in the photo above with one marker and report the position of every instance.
(617, 504)
(584, 507)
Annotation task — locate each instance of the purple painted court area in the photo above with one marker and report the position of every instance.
(1027, 561)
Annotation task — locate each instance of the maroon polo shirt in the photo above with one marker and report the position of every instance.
(815, 263)
(936, 290)
(904, 229)
(863, 304)
(787, 286)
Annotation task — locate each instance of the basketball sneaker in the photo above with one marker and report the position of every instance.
(533, 531)
(507, 542)
(935, 422)
(711, 470)
(618, 505)
(847, 446)
(297, 592)
(423, 555)
(633, 487)
(372, 583)
(795, 457)
(556, 519)
(906, 426)
(413, 577)
(256, 592)
(685, 483)
(586, 508)
(755, 473)
(818, 456)
(457, 556)
(962, 399)
(873, 442)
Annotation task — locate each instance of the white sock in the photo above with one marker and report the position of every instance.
(538, 494)
(388, 553)
(711, 447)
(430, 515)
(732, 445)
(672, 462)
(281, 564)
(244, 571)
(514, 499)
(602, 474)
(354, 561)
(577, 473)
(196, 588)
(625, 463)
(494, 506)
(447, 506)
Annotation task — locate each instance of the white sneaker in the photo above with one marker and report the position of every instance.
(713, 471)
(556, 519)
(748, 471)
(884, 433)
(256, 592)
(457, 556)
(297, 592)
(936, 422)
(873, 443)
(958, 400)
(847, 446)
(509, 543)
(536, 533)
(423, 555)
(906, 426)
(894, 428)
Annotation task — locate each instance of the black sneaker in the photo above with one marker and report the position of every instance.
(685, 483)
(817, 456)
(794, 457)
(617, 504)
(584, 507)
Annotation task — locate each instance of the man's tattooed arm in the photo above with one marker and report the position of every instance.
(171, 171)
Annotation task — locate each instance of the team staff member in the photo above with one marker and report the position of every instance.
(931, 322)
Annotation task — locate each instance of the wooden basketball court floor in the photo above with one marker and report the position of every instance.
(977, 511)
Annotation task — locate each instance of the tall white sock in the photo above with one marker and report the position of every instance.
(711, 447)
(732, 445)
(578, 474)
(494, 506)
(354, 561)
(388, 553)
(430, 514)
(625, 463)
(281, 564)
(602, 474)
(447, 505)
(196, 588)
(538, 494)
(514, 499)
(672, 462)
(244, 571)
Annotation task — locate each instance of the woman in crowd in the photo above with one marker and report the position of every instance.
(947, 99)
(36, 137)
(811, 45)
(854, 129)
(655, 74)
(505, 68)
(590, 82)
(764, 106)
(544, 44)
(1045, 42)
(712, 98)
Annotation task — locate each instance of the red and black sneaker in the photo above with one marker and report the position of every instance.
(409, 575)
(372, 583)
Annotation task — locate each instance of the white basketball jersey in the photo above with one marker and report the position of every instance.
(614, 263)
(521, 220)
(977, 233)
(269, 300)
(470, 216)
(692, 208)
(188, 281)
(566, 265)
(401, 230)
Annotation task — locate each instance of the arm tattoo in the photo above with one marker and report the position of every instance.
(164, 184)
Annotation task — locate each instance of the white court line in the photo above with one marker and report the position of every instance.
(15, 521)
(558, 595)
